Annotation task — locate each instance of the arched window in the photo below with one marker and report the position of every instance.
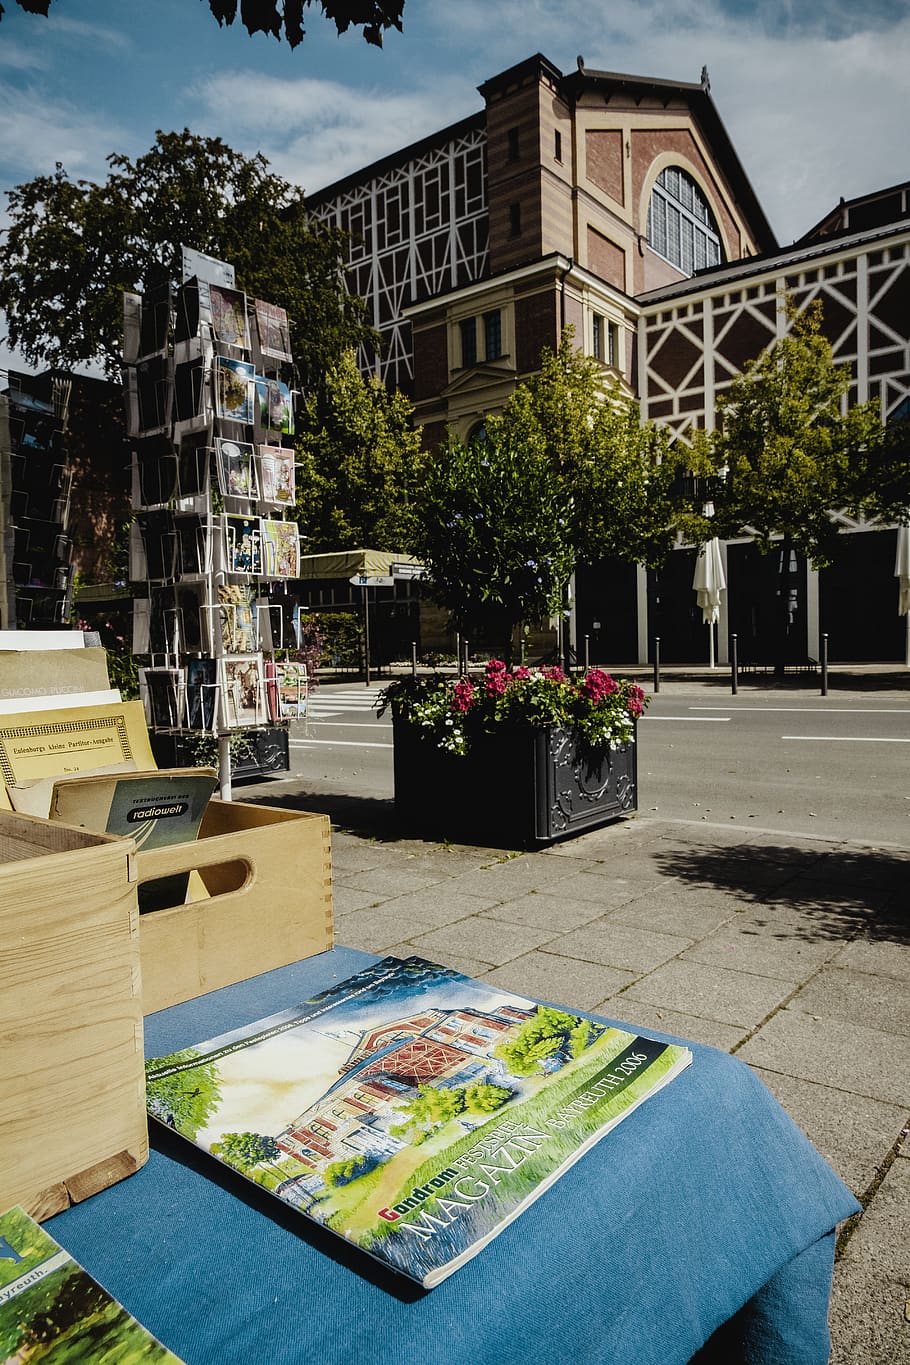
(681, 226)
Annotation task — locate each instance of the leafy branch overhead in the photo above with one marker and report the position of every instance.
(73, 246)
(284, 18)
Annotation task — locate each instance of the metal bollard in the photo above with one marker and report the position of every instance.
(824, 665)
(413, 658)
(656, 663)
(587, 652)
(734, 667)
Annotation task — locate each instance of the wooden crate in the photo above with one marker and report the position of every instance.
(72, 1089)
(267, 873)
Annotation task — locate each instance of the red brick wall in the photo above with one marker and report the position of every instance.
(431, 361)
(603, 161)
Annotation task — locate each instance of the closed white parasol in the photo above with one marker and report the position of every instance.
(709, 582)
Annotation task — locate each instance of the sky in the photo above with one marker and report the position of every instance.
(813, 95)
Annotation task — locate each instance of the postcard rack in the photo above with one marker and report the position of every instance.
(208, 382)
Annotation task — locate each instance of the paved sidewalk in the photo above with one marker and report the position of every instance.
(792, 953)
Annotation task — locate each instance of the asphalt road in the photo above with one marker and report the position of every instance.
(795, 763)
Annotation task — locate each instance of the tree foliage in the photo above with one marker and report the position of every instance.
(493, 529)
(434, 1106)
(546, 1034)
(360, 463)
(73, 247)
(244, 1150)
(794, 453)
(566, 474)
(283, 19)
(185, 1099)
(346, 1170)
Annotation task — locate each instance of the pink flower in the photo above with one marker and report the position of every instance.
(463, 697)
(554, 674)
(496, 683)
(598, 685)
(495, 666)
(521, 673)
(634, 708)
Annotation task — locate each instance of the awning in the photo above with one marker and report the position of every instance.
(346, 563)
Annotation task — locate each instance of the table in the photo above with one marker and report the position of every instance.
(705, 1209)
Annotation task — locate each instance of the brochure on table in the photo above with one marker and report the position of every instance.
(410, 1109)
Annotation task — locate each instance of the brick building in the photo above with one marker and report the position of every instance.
(618, 205)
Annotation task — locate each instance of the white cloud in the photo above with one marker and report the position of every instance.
(314, 131)
(38, 132)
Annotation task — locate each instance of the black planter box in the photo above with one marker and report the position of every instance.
(515, 788)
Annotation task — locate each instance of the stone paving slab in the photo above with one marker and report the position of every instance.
(858, 997)
(843, 1055)
(347, 899)
(653, 1018)
(545, 910)
(482, 939)
(881, 958)
(543, 975)
(724, 995)
(870, 1317)
(679, 910)
(752, 945)
(619, 945)
(507, 878)
(435, 906)
(853, 1133)
(607, 891)
(390, 880)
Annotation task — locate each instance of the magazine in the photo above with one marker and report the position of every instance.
(410, 1109)
(280, 549)
(51, 1309)
(276, 475)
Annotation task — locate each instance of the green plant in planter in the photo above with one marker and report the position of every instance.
(600, 709)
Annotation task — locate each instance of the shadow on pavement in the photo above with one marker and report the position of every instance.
(834, 893)
(366, 816)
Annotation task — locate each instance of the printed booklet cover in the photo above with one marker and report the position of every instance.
(410, 1109)
(52, 1310)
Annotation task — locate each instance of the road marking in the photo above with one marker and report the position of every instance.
(717, 720)
(814, 710)
(849, 739)
(355, 724)
(337, 743)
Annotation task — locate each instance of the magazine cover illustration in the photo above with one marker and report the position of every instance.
(51, 1310)
(411, 1110)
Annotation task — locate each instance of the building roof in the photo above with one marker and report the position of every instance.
(769, 263)
(399, 158)
(697, 95)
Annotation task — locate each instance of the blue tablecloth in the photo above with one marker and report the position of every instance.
(705, 1207)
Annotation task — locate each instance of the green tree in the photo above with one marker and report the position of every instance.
(283, 19)
(546, 1033)
(566, 474)
(73, 247)
(342, 1172)
(493, 529)
(485, 1098)
(184, 1099)
(244, 1150)
(622, 474)
(361, 463)
(794, 453)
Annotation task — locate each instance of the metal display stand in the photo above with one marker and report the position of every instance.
(209, 387)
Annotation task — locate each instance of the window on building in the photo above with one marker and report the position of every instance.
(513, 144)
(468, 343)
(492, 335)
(681, 226)
(605, 340)
(557, 145)
(514, 220)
